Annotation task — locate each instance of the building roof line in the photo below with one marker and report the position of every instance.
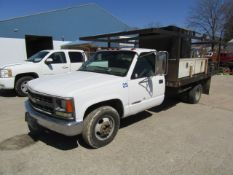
(51, 11)
(106, 11)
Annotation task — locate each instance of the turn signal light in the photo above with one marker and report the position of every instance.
(69, 106)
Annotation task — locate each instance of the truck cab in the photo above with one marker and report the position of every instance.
(46, 62)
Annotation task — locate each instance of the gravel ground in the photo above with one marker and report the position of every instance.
(176, 139)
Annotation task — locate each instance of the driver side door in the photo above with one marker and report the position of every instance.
(59, 64)
(146, 88)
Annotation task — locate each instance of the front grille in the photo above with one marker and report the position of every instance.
(41, 103)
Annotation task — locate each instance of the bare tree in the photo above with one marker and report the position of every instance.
(207, 17)
(228, 25)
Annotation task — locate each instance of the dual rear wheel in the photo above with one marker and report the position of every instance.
(192, 96)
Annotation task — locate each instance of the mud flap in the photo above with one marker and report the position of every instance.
(206, 86)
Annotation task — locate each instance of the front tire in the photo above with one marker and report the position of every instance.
(21, 86)
(101, 126)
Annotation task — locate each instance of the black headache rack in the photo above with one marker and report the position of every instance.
(176, 41)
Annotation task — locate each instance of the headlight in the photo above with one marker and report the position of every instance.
(65, 108)
(5, 73)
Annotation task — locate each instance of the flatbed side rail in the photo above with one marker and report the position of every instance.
(187, 80)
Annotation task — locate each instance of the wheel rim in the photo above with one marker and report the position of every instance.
(24, 87)
(198, 93)
(104, 128)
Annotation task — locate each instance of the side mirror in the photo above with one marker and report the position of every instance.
(161, 63)
(135, 76)
(48, 61)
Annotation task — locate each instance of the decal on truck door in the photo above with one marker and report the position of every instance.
(125, 85)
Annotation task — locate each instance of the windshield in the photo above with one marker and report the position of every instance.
(37, 57)
(109, 62)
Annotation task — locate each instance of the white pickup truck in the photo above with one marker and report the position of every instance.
(46, 62)
(110, 86)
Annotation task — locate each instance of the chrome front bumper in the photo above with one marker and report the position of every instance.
(68, 128)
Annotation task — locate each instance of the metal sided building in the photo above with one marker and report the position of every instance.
(21, 37)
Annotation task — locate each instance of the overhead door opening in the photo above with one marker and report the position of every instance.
(35, 44)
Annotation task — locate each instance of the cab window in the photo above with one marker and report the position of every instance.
(76, 57)
(58, 58)
(145, 66)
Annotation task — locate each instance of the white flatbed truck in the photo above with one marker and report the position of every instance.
(112, 85)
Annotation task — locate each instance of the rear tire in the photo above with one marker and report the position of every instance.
(101, 126)
(194, 95)
(21, 86)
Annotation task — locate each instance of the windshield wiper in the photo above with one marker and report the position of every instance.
(102, 71)
(100, 67)
(97, 69)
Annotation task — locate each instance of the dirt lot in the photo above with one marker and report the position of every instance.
(176, 139)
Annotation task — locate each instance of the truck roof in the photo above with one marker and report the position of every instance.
(139, 50)
(57, 50)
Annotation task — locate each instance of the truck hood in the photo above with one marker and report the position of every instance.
(13, 65)
(66, 85)
(18, 68)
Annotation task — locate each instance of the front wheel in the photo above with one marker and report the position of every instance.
(101, 126)
(21, 85)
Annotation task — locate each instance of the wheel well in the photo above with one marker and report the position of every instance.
(115, 103)
(192, 85)
(32, 74)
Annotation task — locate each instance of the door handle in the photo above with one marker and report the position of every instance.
(65, 67)
(136, 102)
(160, 81)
